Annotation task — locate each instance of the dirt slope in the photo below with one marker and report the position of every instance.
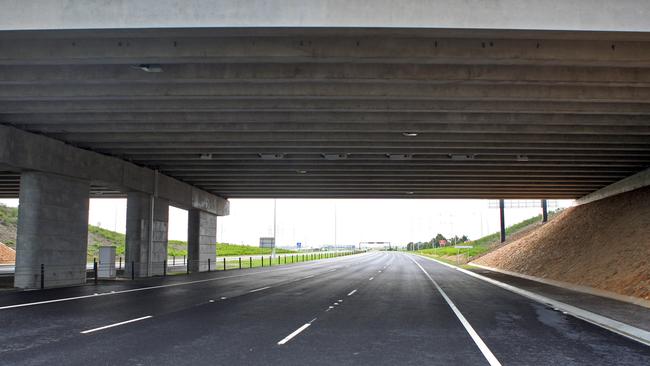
(7, 255)
(8, 234)
(604, 244)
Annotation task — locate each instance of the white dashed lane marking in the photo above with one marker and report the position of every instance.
(116, 324)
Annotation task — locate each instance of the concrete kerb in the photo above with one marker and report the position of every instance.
(626, 330)
(572, 287)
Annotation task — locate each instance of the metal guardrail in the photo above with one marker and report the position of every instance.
(51, 275)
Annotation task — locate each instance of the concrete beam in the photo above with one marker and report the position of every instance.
(366, 90)
(24, 151)
(577, 15)
(335, 126)
(565, 175)
(636, 181)
(276, 120)
(320, 105)
(429, 157)
(347, 138)
(414, 146)
(324, 72)
(372, 195)
(332, 46)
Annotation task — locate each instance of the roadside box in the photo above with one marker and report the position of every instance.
(106, 265)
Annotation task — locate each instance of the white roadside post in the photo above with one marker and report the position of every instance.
(459, 247)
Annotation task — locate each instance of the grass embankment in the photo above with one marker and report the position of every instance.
(178, 248)
(224, 249)
(257, 260)
(8, 223)
(8, 215)
(175, 248)
(101, 237)
(98, 237)
(481, 246)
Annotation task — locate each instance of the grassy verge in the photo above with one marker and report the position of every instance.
(175, 248)
(233, 263)
(224, 249)
(178, 248)
(480, 246)
(102, 237)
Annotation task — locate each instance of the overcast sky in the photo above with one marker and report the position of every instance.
(312, 222)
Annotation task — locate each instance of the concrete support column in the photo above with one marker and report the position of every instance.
(502, 216)
(201, 240)
(544, 211)
(147, 224)
(52, 231)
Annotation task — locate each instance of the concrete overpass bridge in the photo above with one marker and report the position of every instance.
(191, 105)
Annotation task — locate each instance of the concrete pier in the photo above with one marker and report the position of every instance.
(201, 240)
(147, 225)
(52, 231)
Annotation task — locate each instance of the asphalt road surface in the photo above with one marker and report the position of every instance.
(380, 308)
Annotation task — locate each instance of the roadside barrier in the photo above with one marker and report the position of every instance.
(49, 275)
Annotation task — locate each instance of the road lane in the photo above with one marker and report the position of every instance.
(322, 313)
(521, 331)
(52, 321)
(396, 319)
(231, 327)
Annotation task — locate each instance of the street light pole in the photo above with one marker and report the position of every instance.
(335, 238)
(275, 213)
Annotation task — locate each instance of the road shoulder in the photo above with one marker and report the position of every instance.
(574, 308)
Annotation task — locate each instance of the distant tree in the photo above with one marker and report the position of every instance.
(437, 239)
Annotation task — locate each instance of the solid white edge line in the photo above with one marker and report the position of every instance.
(260, 289)
(116, 324)
(626, 330)
(295, 333)
(586, 290)
(6, 307)
(489, 356)
(352, 292)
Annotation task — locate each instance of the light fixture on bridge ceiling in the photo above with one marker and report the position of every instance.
(409, 192)
(409, 134)
(301, 171)
(150, 67)
(462, 156)
(399, 156)
(522, 157)
(335, 156)
(207, 156)
(277, 156)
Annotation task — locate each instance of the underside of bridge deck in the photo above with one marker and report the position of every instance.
(336, 113)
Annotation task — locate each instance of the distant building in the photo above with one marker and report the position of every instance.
(267, 242)
(375, 245)
(337, 247)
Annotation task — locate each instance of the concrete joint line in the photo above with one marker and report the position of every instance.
(626, 330)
